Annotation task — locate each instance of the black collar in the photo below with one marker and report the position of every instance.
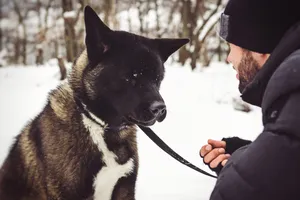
(83, 109)
(255, 90)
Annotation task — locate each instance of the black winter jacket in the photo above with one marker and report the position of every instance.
(269, 167)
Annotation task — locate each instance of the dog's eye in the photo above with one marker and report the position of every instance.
(131, 81)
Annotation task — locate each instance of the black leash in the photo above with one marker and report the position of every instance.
(169, 151)
(153, 137)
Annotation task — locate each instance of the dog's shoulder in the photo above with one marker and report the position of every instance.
(61, 101)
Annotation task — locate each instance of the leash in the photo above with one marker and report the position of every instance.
(170, 151)
(153, 137)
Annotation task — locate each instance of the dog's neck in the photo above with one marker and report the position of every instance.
(84, 110)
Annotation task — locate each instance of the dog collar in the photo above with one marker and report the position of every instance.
(84, 110)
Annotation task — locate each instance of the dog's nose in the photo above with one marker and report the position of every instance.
(158, 108)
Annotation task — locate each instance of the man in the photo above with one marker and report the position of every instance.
(264, 39)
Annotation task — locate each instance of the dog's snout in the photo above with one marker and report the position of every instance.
(158, 108)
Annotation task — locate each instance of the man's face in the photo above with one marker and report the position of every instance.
(246, 64)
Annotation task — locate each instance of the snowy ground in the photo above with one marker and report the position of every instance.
(198, 108)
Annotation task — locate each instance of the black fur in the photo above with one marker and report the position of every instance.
(132, 68)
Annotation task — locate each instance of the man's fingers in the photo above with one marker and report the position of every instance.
(205, 149)
(213, 154)
(224, 162)
(211, 145)
(220, 159)
(217, 143)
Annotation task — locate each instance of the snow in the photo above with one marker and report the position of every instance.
(7, 23)
(3, 54)
(70, 14)
(198, 105)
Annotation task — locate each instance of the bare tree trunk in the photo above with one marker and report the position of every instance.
(199, 9)
(185, 17)
(195, 55)
(39, 57)
(17, 45)
(62, 68)
(146, 10)
(107, 8)
(39, 6)
(56, 48)
(70, 36)
(206, 59)
(157, 19)
(47, 15)
(21, 18)
(71, 44)
(206, 35)
(80, 34)
(24, 44)
(110, 13)
(41, 36)
(141, 15)
(183, 53)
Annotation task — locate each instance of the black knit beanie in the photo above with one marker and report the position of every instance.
(258, 25)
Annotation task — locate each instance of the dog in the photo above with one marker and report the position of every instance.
(82, 145)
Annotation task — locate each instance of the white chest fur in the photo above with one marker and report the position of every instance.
(109, 175)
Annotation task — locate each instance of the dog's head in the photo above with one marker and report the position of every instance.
(119, 75)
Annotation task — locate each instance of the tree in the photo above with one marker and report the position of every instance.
(43, 29)
(21, 40)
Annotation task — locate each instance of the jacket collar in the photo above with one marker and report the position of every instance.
(254, 91)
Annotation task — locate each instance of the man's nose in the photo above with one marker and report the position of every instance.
(228, 58)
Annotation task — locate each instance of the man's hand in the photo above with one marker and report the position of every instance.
(213, 153)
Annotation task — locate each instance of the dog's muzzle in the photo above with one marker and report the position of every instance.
(159, 110)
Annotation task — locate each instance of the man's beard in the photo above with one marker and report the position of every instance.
(247, 70)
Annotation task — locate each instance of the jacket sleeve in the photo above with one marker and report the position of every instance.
(232, 144)
(269, 168)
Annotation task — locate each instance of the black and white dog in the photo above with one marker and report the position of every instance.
(82, 145)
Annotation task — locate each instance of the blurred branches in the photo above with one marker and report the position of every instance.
(39, 30)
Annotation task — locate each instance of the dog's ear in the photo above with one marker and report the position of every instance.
(167, 46)
(97, 35)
